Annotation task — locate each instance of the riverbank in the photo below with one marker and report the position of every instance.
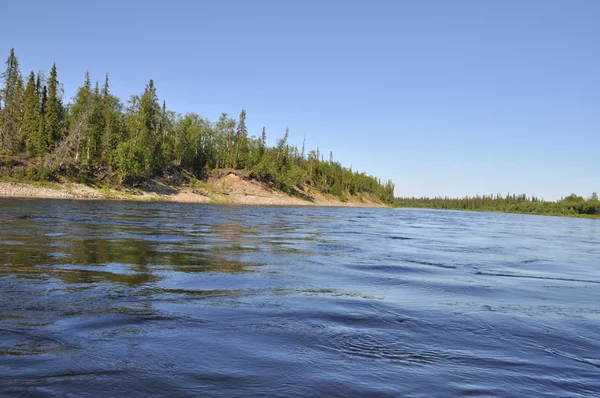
(230, 189)
(569, 206)
(501, 211)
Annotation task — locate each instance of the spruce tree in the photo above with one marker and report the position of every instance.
(241, 142)
(12, 104)
(149, 117)
(41, 131)
(82, 98)
(263, 137)
(38, 83)
(32, 140)
(18, 116)
(110, 111)
(80, 115)
(53, 109)
(43, 92)
(262, 144)
(96, 127)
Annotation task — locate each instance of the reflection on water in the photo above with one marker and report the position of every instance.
(169, 299)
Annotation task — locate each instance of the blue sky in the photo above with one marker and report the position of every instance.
(442, 97)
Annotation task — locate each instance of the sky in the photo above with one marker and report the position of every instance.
(444, 98)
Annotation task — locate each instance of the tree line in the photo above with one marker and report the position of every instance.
(141, 138)
(572, 205)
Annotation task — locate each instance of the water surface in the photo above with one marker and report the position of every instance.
(136, 299)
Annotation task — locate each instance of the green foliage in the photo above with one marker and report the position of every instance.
(192, 143)
(114, 126)
(31, 138)
(241, 143)
(134, 143)
(11, 109)
(80, 112)
(76, 174)
(30, 173)
(572, 205)
(223, 141)
(53, 110)
(93, 143)
(133, 160)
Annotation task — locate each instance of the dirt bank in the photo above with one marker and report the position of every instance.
(230, 189)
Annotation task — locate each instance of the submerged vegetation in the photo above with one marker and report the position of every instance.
(572, 205)
(96, 136)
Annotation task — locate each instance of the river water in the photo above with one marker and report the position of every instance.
(137, 299)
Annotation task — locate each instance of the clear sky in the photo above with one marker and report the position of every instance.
(443, 97)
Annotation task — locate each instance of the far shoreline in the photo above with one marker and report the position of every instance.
(583, 216)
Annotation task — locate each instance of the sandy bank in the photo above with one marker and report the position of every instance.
(230, 189)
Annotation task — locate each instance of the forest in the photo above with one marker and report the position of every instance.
(571, 205)
(95, 135)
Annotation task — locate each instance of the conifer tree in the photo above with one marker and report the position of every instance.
(96, 127)
(79, 111)
(263, 137)
(43, 98)
(12, 104)
(53, 109)
(110, 135)
(38, 84)
(82, 98)
(241, 142)
(149, 117)
(42, 137)
(32, 140)
(262, 143)
(18, 116)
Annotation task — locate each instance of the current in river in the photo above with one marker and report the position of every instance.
(102, 298)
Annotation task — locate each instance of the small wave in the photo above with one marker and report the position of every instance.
(21, 343)
(332, 247)
(432, 264)
(400, 238)
(550, 278)
(373, 345)
(529, 261)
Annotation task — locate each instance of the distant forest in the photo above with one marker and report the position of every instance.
(97, 134)
(572, 205)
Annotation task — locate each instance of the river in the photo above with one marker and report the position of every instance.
(101, 298)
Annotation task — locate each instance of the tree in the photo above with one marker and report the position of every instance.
(113, 125)
(164, 136)
(223, 141)
(241, 143)
(42, 91)
(53, 111)
(94, 138)
(263, 138)
(96, 129)
(32, 139)
(12, 104)
(80, 109)
(191, 146)
(137, 156)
